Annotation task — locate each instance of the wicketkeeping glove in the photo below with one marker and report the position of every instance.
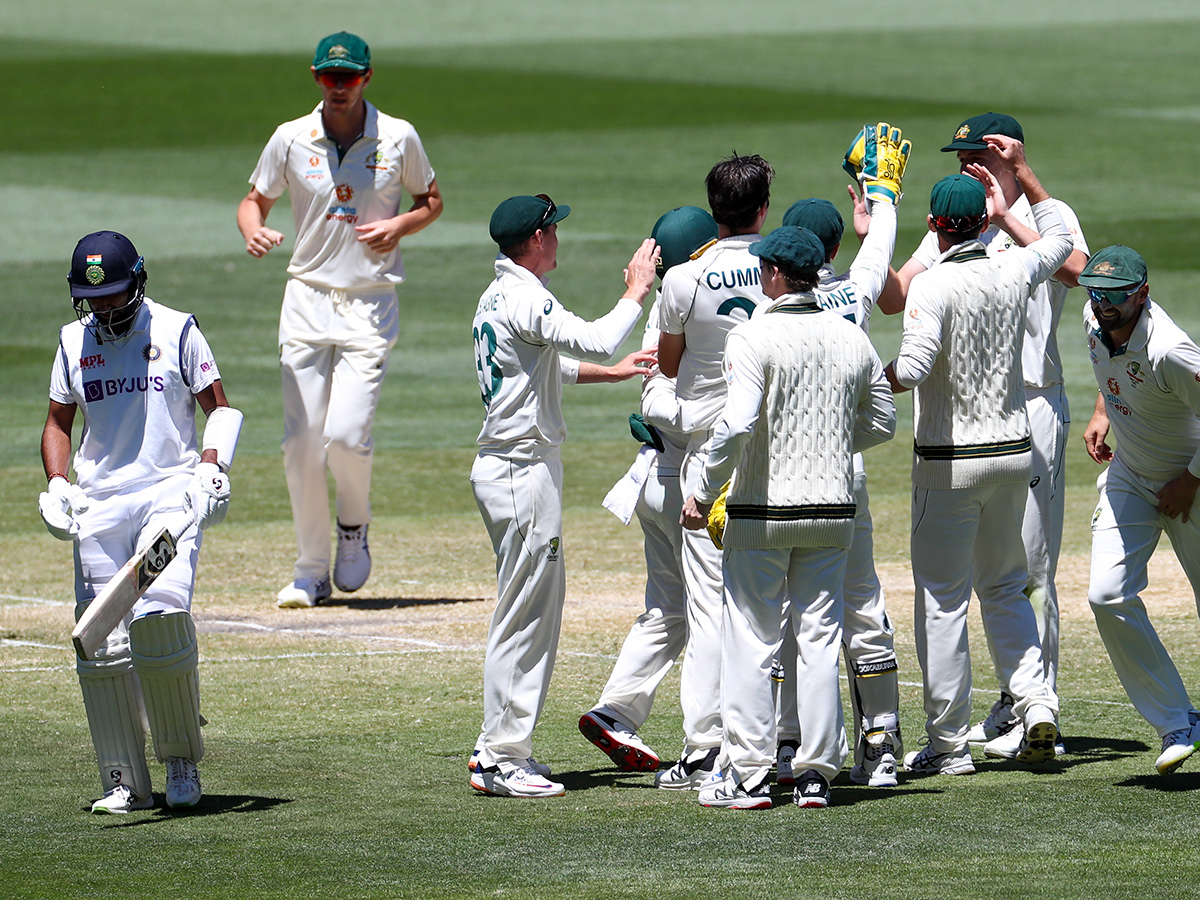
(208, 495)
(877, 158)
(716, 517)
(59, 504)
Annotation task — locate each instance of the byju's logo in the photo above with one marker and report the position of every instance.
(94, 391)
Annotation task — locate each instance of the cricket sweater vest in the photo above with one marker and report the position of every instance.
(794, 482)
(970, 422)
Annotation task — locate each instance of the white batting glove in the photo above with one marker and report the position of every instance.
(59, 504)
(208, 495)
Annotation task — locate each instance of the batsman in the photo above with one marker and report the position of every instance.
(136, 370)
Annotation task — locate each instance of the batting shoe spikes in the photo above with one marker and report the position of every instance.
(352, 566)
(1177, 746)
(303, 593)
(120, 800)
(627, 751)
(522, 782)
(1040, 735)
(183, 782)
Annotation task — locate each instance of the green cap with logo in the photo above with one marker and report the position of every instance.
(519, 217)
(958, 197)
(1114, 267)
(792, 248)
(342, 51)
(969, 135)
(820, 217)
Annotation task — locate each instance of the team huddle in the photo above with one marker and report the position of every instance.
(761, 391)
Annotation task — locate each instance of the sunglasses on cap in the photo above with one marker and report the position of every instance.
(551, 211)
(335, 77)
(1114, 297)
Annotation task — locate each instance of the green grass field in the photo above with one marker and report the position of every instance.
(338, 737)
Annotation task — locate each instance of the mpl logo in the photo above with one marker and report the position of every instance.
(90, 362)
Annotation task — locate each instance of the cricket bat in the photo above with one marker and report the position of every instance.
(123, 589)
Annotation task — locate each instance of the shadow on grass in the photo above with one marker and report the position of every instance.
(210, 805)
(381, 603)
(1166, 784)
(1081, 751)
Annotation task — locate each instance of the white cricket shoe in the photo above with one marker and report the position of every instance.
(928, 761)
(303, 593)
(541, 768)
(1005, 746)
(1177, 746)
(689, 774)
(727, 793)
(121, 800)
(183, 782)
(999, 721)
(628, 751)
(520, 782)
(878, 768)
(812, 790)
(784, 756)
(352, 565)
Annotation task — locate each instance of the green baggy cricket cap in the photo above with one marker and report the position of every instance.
(969, 135)
(820, 217)
(958, 197)
(519, 217)
(792, 248)
(1114, 267)
(342, 51)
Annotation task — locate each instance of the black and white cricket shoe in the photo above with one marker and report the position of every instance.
(812, 790)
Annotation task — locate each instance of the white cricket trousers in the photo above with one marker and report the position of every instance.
(333, 354)
(1125, 531)
(700, 673)
(521, 504)
(866, 632)
(1041, 529)
(659, 634)
(759, 586)
(964, 538)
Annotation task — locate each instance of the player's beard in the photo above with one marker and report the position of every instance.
(1118, 316)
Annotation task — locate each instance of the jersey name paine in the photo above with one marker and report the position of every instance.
(519, 330)
(703, 299)
(1151, 391)
(329, 198)
(1041, 363)
(136, 396)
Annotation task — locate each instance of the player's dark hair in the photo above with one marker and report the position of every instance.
(797, 282)
(738, 187)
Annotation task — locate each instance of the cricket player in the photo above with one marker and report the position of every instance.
(961, 351)
(872, 669)
(347, 167)
(520, 331)
(651, 490)
(1148, 372)
(1013, 225)
(701, 301)
(136, 371)
(806, 391)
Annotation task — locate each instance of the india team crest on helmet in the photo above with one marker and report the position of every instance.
(94, 274)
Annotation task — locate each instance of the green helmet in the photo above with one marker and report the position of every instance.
(682, 234)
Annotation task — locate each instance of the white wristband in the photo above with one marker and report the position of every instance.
(221, 433)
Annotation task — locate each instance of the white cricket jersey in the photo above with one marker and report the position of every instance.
(1041, 363)
(852, 294)
(519, 331)
(137, 398)
(329, 198)
(703, 299)
(1151, 390)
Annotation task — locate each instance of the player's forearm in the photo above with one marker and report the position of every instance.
(56, 439)
(420, 215)
(1029, 184)
(250, 217)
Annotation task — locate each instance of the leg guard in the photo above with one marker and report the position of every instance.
(117, 719)
(165, 658)
(875, 701)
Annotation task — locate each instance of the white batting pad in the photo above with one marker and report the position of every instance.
(165, 658)
(117, 719)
